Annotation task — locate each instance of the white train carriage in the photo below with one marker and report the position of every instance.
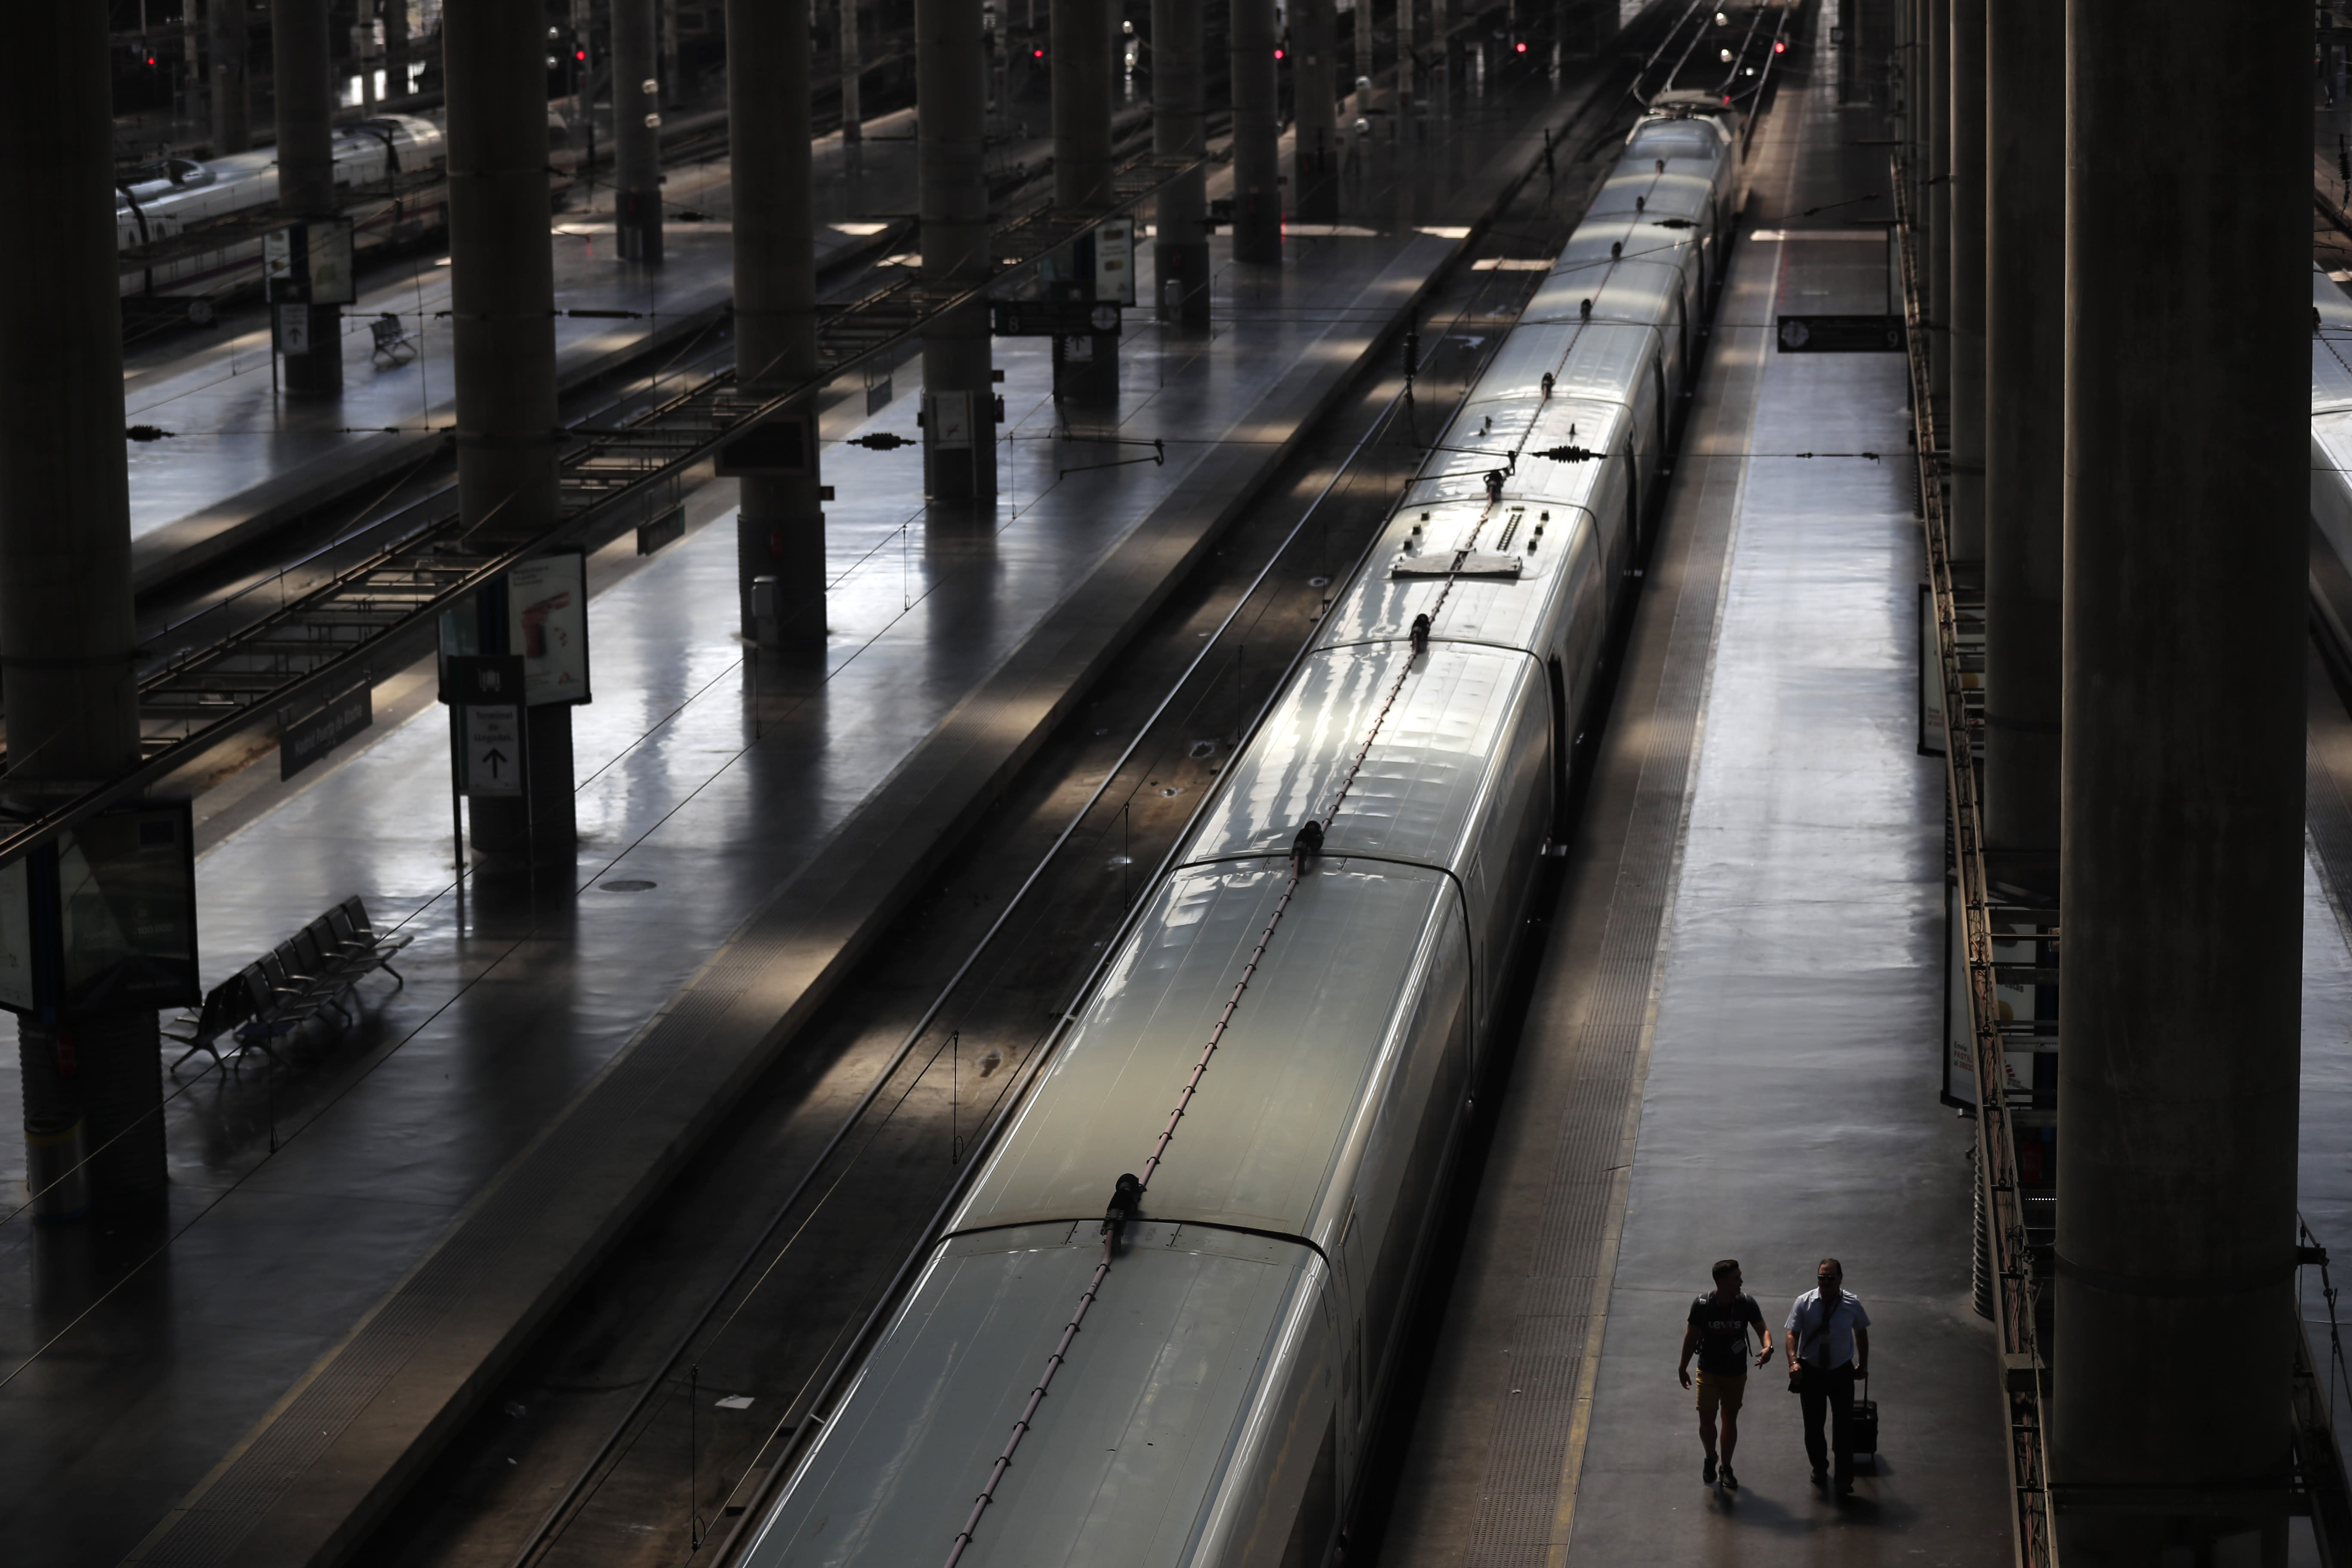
(2331, 462)
(182, 194)
(1215, 1407)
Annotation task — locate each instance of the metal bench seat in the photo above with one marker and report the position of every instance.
(316, 971)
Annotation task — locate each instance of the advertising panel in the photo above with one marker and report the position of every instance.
(547, 623)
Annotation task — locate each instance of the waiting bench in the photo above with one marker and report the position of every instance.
(309, 974)
(393, 346)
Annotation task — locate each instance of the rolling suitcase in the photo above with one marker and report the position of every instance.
(1864, 1429)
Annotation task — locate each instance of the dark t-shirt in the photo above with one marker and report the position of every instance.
(1723, 1332)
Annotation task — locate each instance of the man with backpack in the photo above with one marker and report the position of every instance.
(1717, 1329)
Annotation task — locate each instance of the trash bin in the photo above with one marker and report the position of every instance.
(55, 1168)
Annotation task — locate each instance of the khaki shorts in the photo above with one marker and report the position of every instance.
(1716, 1389)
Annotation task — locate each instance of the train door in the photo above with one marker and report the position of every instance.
(1665, 411)
(1563, 746)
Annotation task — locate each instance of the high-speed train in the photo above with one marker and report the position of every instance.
(179, 194)
(1322, 961)
(2331, 469)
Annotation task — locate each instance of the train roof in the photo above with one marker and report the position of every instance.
(1257, 1148)
(1685, 189)
(1693, 107)
(1152, 1405)
(2331, 344)
(1419, 792)
(1638, 287)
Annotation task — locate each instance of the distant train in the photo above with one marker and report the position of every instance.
(1323, 963)
(2331, 472)
(177, 198)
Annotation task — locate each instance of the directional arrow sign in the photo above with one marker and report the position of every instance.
(493, 749)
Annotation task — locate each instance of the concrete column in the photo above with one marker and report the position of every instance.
(65, 632)
(1180, 256)
(1356, 59)
(1315, 105)
(1915, 100)
(958, 395)
(2025, 451)
(1967, 186)
(1938, 105)
(636, 131)
(1441, 32)
(2183, 861)
(502, 296)
(395, 48)
(1257, 173)
(1082, 44)
(224, 38)
(303, 77)
(779, 530)
(851, 29)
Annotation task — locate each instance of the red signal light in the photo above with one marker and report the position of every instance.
(1278, 54)
(1779, 47)
(580, 55)
(1037, 53)
(1521, 48)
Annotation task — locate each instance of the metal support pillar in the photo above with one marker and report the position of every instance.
(1314, 107)
(224, 38)
(395, 48)
(502, 297)
(1082, 45)
(1181, 254)
(1257, 168)
(1967, 336)
(779, 527)
(1914, 100)
(1441, 38)
(958, 392)
(303, 79)
(2025, 449)
(65, 632)
(853, 109)
(636, 132)
(2185, 485)
(1937, 57)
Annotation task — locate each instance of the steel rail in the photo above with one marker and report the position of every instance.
(792, 1432)
(796, 1432)
(542, 1536)
(789, 1428)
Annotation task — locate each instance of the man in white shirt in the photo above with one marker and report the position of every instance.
(1828, 1340)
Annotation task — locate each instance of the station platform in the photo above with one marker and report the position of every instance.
(243, 457)
(356, 1243)
(1732, 1040)
(1732, 1043)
